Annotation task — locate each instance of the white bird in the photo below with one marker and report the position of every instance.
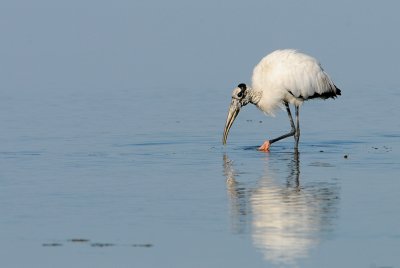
(281, 78)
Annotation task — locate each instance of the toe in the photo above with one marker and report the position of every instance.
(265, 146)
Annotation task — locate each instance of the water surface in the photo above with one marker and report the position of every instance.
(92, 180)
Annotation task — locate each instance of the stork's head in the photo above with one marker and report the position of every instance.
(240, 98)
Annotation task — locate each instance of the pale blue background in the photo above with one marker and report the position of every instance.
(60, 45)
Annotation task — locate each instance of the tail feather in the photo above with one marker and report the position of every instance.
(338, 91)
(326, 95)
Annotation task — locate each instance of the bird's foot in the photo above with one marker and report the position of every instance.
(265, 146)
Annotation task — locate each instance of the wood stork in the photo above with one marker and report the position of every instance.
(281, 78)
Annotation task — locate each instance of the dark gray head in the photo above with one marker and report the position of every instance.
(240, 98)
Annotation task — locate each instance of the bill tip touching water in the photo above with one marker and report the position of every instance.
(281, 78)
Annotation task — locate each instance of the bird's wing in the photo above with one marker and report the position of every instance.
(309, 80)
(296, 72)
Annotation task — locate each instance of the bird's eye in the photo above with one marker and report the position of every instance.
(240, 94)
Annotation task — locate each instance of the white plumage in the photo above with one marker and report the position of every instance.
(285, 75)
(281, 78)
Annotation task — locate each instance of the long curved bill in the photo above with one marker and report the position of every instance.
(234, 110)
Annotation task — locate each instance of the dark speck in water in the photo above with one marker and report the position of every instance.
(346, 156)
(79, 240)
(142, 245)
(51, 244)
(102, 245)
(320, 164)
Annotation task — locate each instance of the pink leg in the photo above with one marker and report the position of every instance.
(265, 146)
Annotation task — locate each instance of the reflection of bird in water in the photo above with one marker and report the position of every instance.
(287, 219)
(237, 196)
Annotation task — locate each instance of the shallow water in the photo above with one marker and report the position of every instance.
(88, 179)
